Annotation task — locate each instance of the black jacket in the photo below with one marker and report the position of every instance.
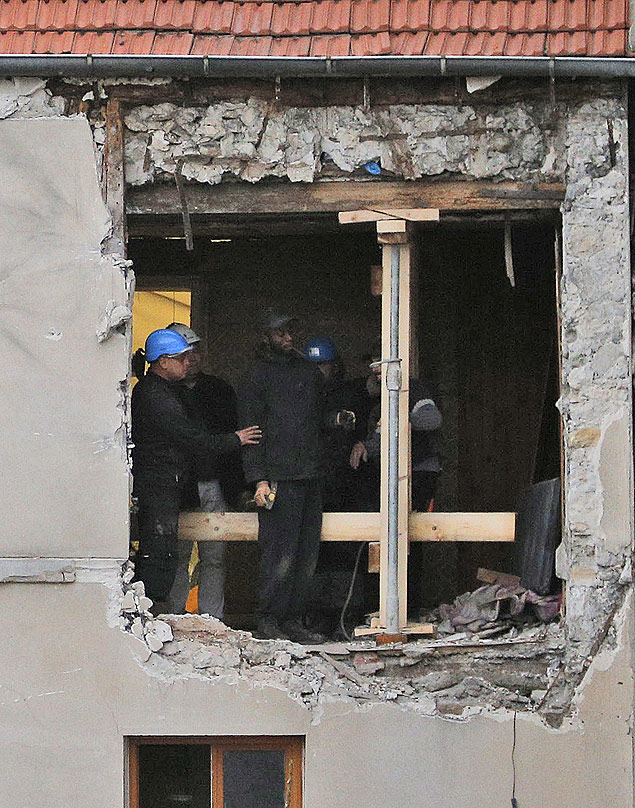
(167, 442)
(211, 403)
(283, 395)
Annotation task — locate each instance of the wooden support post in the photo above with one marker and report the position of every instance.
(114, 177)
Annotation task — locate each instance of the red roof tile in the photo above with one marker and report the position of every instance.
(18, 16)
(370, 16)
(53, 42)
(445, 44)
(564, 15)
(214, 17)
(177, 14)
(316, 27)
(251, 46)
(252, 18)
(178, 43)
(485, 44)
(291, 45)
(331, 16)
(607, 14)
(291, 19)
(94, 41)
(409, 15)
(606, 43)
(336, 45)
(57, 16)
(566, 44)
(450, 15)
(212, 45)
(132, 42)
(528, 15)
(17, 42)
(409, 44)
(525, 45)
(371, 44)
(133, 13)
(490, 16)
(96, 15)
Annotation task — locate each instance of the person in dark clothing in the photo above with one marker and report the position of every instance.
(166, 443)
(211, 403)
(337, 560)
(283, 393)
(338, 477)
(425, 425)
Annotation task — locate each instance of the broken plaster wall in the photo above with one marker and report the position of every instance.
(65, 478)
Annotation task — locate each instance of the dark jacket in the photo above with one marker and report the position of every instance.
(425, 427)
(167, 443)
(211, 403)
(283, 395)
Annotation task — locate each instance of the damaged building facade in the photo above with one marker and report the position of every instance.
(110, 177)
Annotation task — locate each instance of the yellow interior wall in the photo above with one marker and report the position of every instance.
(152, 310)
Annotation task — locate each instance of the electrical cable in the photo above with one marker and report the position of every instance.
(350, 593)
(514, 800)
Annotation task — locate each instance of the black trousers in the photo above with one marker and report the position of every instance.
(159, 503)
(289, 539)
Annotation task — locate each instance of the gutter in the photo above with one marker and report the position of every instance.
(108, 66)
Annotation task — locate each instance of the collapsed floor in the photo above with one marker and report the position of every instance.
(454, 677)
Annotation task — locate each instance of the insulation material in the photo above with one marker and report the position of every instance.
(63, 395)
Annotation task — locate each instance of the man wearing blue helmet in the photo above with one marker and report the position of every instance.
(166, 445)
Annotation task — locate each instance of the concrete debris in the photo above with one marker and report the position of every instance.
(136, 616)
(453, 678)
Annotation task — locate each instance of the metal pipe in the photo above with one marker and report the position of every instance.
(105, 66)
(393, 384)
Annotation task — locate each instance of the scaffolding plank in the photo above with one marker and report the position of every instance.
(437, 527)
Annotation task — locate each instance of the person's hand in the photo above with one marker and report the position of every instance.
(250, 434)
(358, 453)
(345, 419)
(262, 492)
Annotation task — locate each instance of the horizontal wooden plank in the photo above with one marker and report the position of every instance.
(451, 527)
(407, 214)
(409, 628)
(271, 198)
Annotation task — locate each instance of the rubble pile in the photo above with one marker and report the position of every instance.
(454, 678)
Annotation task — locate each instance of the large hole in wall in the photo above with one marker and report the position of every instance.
(488, 348)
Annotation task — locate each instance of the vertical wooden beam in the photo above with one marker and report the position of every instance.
(395, 236)
(114, 177)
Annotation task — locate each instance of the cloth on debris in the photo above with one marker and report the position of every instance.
(488, 605)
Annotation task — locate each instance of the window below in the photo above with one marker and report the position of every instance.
(225, 772)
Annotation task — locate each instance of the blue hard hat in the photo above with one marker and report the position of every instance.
(165, 342)
(320, 350)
